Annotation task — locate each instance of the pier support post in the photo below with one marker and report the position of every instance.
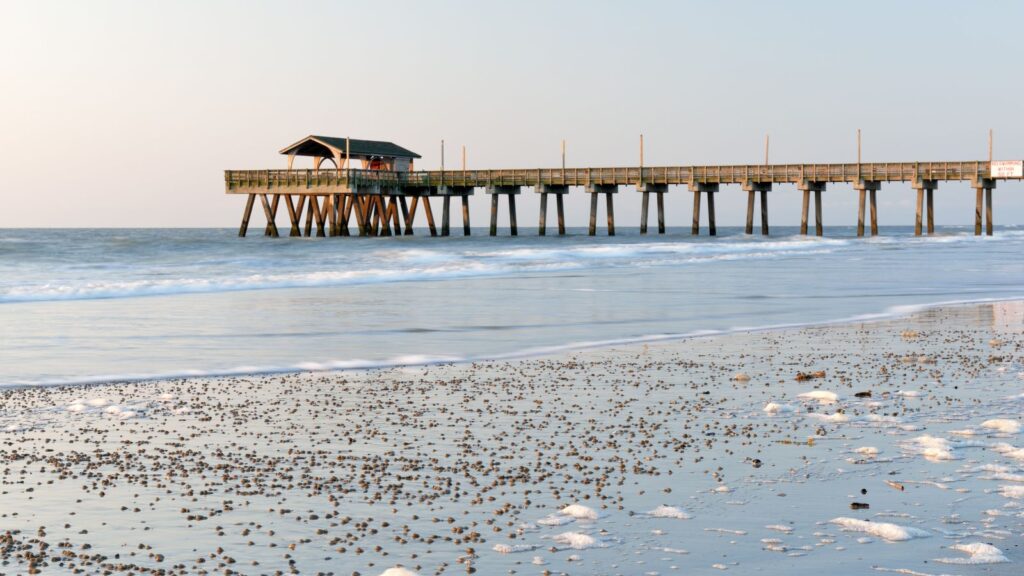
(445, 209)
(608, 190)
(308, 230)
(709, 188)
(808, 186)
(246, 213)
(406, 215)
(863, 187)
(344, 213)
(430, 216)
(659, 190)
(922, 186)
(753, 189)
(495, 191)
(983, 198)
(558, 190)
(270, 211)
(465, 212)
(931, 211)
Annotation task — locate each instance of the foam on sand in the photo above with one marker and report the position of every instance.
(669, 512)
(512, 548)
(398, 571)
(776, 408)
(822, 396)
(579, 512)
(577, 540)
(869, 451)
(1003, 425)
(1015, 492)
(884, 530)
(977, 553)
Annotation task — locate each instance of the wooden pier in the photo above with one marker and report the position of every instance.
(383, 197)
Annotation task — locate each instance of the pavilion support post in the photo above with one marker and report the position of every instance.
(592, 229)
(646, 189)
(430, 216)
(808, 186)
(318, 216)
(396, 222)
(309, 216)
(268, 211)
(345, 214)
(542, 224)
(445, 209)
(513, 228)
(405, 214)
(246, 213)
(292, 218)
(695, 227)
(360, 212)
(271, 229)
(410, 213)
(863, 187)
(298, 213)
(661, 212)
(332, 215)
(753, 188)
(465, 214)
(385, 216)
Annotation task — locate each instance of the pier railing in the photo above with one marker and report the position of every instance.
(240, 181)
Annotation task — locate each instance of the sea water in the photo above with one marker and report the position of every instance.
(81, 305)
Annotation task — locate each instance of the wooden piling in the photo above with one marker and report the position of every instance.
(931, 212)
(804, 212)
(410, 216)
(661, 212)
(712, 229)
(542, 225)
(764, 212)
(292, 218)
(861, 201)
(406, 217)
(874, 212)
(445, 205)
(271, 214)
(644, 202)
(560, 208)
(271, 229)
(979, 195)
(592, 230)
(513, 227)
(609, 200)
(695, 229)
(465, 215)
(917, 213)
(494, 215)
(430, 216)
(750, 212)
(246, 213)
(988, 211)
(818, 229)
(309, 217)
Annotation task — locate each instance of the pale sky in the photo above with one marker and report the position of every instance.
(125, 114)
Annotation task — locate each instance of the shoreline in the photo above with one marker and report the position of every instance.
(891, 313)
(654, 457)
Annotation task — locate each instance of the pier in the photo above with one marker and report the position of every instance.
(383, 196)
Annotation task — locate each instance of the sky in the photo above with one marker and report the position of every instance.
(126, 113)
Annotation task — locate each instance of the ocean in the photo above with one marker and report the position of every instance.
(86, 306)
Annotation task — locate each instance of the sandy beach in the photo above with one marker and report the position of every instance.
(889, 446)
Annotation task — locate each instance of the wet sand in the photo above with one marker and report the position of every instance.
(858, 448)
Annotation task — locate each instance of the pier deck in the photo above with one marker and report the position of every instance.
(333, 197)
